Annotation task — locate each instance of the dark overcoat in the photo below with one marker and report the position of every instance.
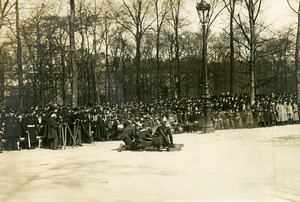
(52, 128)
(12, 127)
(31, 125)
(101, 130)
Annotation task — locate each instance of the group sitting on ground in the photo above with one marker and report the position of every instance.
(147, 137)
(58, 126)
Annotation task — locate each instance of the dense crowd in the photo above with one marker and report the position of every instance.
(57, 127)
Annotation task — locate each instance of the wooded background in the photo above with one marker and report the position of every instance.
(137, 50)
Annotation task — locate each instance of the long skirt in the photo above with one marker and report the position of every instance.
(295, 116)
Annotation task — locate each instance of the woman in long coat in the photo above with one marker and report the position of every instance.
(52, 131)
(261, 114)
(285, 115)
(280, 113)
(295, 113)
(248, 116)
(289, 111)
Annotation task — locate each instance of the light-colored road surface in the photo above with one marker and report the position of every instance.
(231, 165)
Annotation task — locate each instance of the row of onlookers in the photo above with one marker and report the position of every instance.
(60, 126)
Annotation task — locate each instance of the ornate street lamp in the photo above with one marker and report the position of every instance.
(203, 9)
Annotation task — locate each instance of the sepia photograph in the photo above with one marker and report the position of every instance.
(150, 100)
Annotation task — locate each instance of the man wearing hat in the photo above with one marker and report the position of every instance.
(52, 131)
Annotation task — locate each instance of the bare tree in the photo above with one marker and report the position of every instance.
(230, 5)
(19, 56)
(273, 67)
(5, 8)
(136, 17)
(72, 56)
(161, 11)
(251, 36)
(176, 6)
(297, 48)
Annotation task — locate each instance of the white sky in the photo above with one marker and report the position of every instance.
(275, 12)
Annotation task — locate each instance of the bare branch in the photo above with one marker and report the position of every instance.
(288, 1)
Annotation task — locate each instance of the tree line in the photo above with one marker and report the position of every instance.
(82, 51)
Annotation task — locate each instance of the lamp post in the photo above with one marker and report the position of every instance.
(203, 9)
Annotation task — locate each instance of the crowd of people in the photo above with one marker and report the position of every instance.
(267, 110)
(57, 127)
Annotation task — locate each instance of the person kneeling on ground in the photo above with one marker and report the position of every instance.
(128, 136)
(163, 136)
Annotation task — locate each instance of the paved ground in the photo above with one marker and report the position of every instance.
(231, 165)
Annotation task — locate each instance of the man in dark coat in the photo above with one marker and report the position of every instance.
(30, 123)
(129, 136)
(101, 130)
(12, 129)
(52, 131)
(135, 139)
(85, 126)
(163, 136)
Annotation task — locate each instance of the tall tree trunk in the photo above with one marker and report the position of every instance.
(231, 79)
(250, 34)
(157, 75)
(252, 44)
(95, 60)
(63, 79)
(73, 57)
(39, 63)
(252, 75)
(175, 7)
(50, 79)
(36, 84)
(297, 72)
(159, 24)
(107, 80)
(19, 56)
(2, 85)
(171, 71)
(177, 59)
(138, 66)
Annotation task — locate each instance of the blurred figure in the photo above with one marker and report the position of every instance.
(12, 129)
(295, 113)
(280, 113)
(289, 111)
(163, 136)
(1, 143)
(52, 131)
(30, 124)
(285, 114)
(1, 133)
(248, 122)
(272, 113)
(237, 119)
